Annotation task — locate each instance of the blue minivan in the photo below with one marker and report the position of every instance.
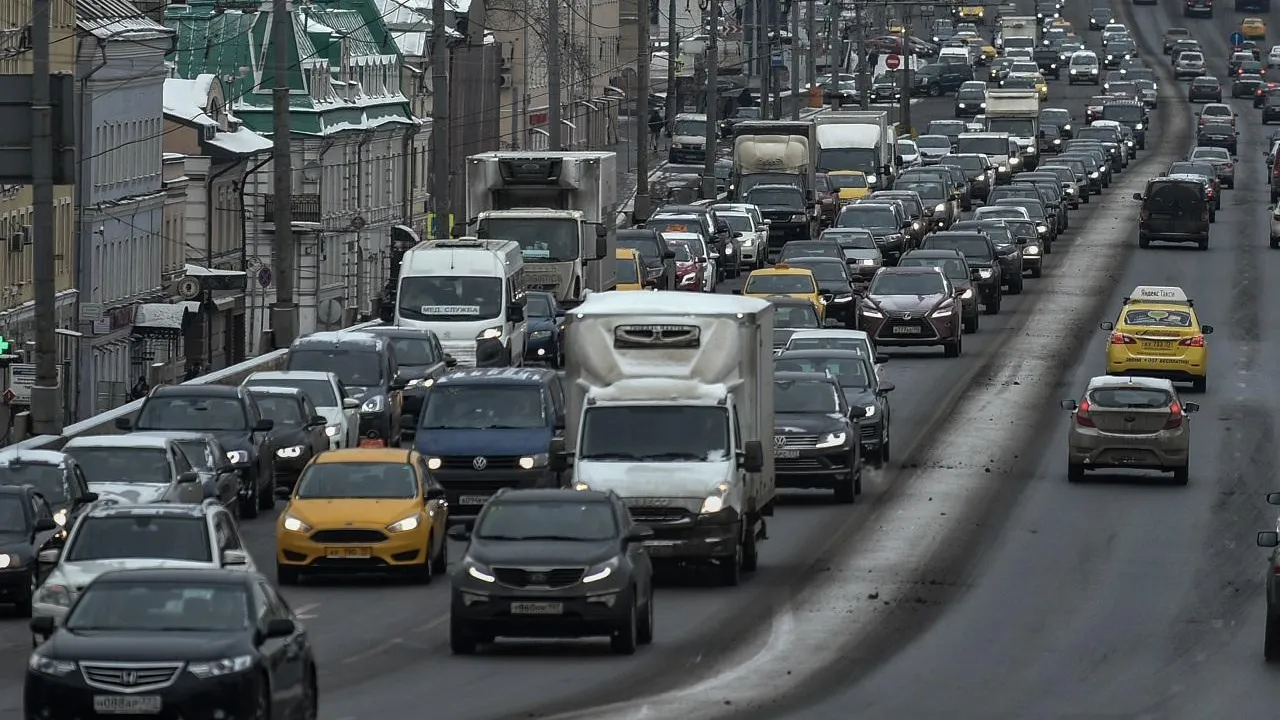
(485, 429)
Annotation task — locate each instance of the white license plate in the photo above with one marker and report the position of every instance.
(473, 499)
(126, 704)
(348, 553)
(537, 608)
(906, 330)
(660, 547)
(786, 453)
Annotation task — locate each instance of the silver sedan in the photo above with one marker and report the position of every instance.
(1131, 423)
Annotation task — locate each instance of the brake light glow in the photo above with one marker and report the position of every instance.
(1082, 415)
(1144, 216)
(1194, 341)
(1175, 417)
(1122, 339)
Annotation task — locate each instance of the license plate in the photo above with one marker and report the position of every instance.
(372, 443)
(126, 704)
(786, 454)
(1129, 459)
(1159, 346)
(660, 547)
(347, 553)
(537, 608)
(473, 499)
(906, 330)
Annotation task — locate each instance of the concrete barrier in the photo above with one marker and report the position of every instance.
(105, 423)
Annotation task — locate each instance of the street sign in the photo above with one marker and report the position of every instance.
(893, 62)
(1237, 38)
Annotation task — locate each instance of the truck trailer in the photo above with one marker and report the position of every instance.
(1017, 112)
(861, 140)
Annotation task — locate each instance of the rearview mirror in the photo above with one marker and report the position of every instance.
(317, 421)
(1191, 407)
(1266, 538)
(264, 425)
(752, 456)
(188, 477)
(235, 557)
(1108, 326)
(1068, 405)
(46, 524)
(350, 403)
(279, 628)
(461, 533)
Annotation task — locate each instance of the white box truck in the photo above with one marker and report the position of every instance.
(1017, 31)
(1017, 112)
(561, 207)
(861, 140)
(670, 405)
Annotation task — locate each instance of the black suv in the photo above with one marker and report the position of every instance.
(544, 562)
(861, 386)
(55, 475)
(1174, 210)
(984, 264)
(1049, 62)
(368, 368)
(229, 414)
(298, 433)
(1007, 250)
(815, 443)
(185, 643)
(421, 361)
(26, 528)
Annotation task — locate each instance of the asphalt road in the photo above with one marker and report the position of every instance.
(382, 646)
(1127, 597)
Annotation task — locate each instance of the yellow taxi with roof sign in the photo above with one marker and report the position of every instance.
(782, 279)
(849, 185)
(971, 13)
(1158, 334)
(1253, 28)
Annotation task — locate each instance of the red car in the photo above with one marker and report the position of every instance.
(691, 274)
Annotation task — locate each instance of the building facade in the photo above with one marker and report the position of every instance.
(352, 135)
(120, 72)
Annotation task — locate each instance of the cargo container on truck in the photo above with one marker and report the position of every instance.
(561, 207)
(1017, 112)
(860, 140)
(1017, 31)
(670, 405)
(773, 152)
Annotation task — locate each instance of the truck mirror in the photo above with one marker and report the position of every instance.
(602, 244)
(752, 456)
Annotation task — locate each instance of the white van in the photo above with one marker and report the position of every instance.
(465, 291)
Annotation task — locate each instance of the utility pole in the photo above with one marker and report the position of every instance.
(793, 67)
(46, 404)
(764, 63)
(439, 122)
(712, 66)
(904, 102)
(864, 72)
(811, 45)
(553, 75)
(284, 312)
(640, 208)
(834, 45)
(671, 107)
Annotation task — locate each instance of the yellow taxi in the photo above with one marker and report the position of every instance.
(1157, 334)
(988, 50)
(782, 279)
(1065, 24)
(971, 13)
(630, 270)
(897, 29)
(1042, 86)
(849, 185)
(363, 510)
(1253, 28)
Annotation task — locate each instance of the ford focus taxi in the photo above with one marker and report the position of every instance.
(782, 279)
(1157, 334)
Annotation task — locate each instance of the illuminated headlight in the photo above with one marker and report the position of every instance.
(688, 279)
(1094, 175)
(375, 404)
(218, 668)
(968, 293)
(1031, 250)
(48, 666)
(434, 463)
(539, 334)
(1093, 71)
(1053, 66)
(842, 298)
(872, 180)
(1066, 128)
(835, 439)
(867, 261)
(1073, 71)
(1128, 143)
(237, 457)
(1015, 161)
(410, 523)
(1070, 190)
(60, 517)
(1056, 141)
(479, 572)
(748, 241)
(1042, 229)
(960, 105)
(1003, 169)
(871, 312)
(1111, 57)
(599, 572)
(986, 273)
(293, 524)
(292, 451)
(915, 225)
(799, 217)
(728, 249)
(581, 486)
(940, 208)
(332, 431)
(490, 334)
(715, 501)
(9, 560)
(982, 105)
(529, 462)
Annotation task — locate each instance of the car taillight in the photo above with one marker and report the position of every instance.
(1122, 339)
(1082, 415)
(1193, 341)
(1175, 417)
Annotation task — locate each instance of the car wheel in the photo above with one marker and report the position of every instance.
(644, 633)
(311, 698)
(461, 640)
(426, 572)
(934, 91)
(885, 453)
(991, 307)
(970, 324)
(1203, 244)
(750, 550)
(1271, 638)
(1275, 242)
(1015, 285)
(1036, 272)
(846, 488)
(1143, 242)
(624, 639)
(730, 569)
(440, 564)
(1075, 472)
(1200, 385)
(952, 349)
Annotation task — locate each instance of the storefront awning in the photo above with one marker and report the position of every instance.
(217, 280)
(162, 320)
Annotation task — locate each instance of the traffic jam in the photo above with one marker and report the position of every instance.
(566, 425)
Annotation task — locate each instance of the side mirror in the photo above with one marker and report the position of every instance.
(461, 533)
(450, 361)
(89, 497)
(45, 525)
(701, 258)
(557, 458)
(1191, 407)
(264, 425)
(515, 313)
(737, 291)
(124, 424)
(1266, 538)
(766, 222)
(1273, 498)
(752, 456)
(857, 412)
(42, 626)
(235, 557)
(350, 403)
(1206, 329)
(50, 556)
(1108, 326)
(435, 493)
(639, 533)
(188, 477)
(279, 628)
(317, 421)
(887, 387)
(1069, 405)
(668, 255)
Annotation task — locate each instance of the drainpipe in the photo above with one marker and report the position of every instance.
(365, 139)
(244, 250)
(411, 162)
(84, 399)
(210, 209)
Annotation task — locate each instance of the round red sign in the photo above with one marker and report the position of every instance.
(893, 62)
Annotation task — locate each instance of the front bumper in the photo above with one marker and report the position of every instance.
(1173, 369)
(682, 155)
(815, 468)
(229, 697)
(468, 490)
(680, 535)
(542, 349)
(396, 550)
(583, 614)
(887, 331)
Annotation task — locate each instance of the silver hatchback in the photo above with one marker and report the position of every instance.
(1132, 423)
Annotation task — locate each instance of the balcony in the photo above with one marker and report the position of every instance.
(306, 208)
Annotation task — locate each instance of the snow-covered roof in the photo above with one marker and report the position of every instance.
(242, 141)
(201, 271)
(117, 20)
(666, 303)
(413, 43)
(187, 100)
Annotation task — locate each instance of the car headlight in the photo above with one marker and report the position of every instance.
(539, 334)
(1093, 71)
(1069, 190)
(1031, 250)
(1003, 169)
(915, 225)
(1053, 66)
(1015, 161)
(60, 517)
(715, 500)
(581, 486)
(1042, 228)
(868, 261)
(293, 524)
(405, 525)
(870, 411)
(528, 462)
(375, 404)
(1066, 128)
(9, 560)
(218, 668)
(53, 594)
(490, 334)
(237, 457)
(842, 298)
(1056, 141)
(872, 179)
(333, 431)
(960, 105)
(835, 439)
(434, 463)
(292, 451)
(1111, 57)
(1138, 126)
(479, 572)
(968, 293)
(940, 208)
(688, 279)
(600, 572)
(986, 273)
(870, 311)
(728, 249)
(48, 666)
(1128, 143)
(1093, 175)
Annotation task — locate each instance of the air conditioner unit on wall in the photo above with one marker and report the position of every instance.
(20, 238)
(504, 80)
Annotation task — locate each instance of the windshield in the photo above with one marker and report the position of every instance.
(801, 248)
(13, 514)
(970, 163)
(928, 191)
(647, 247)
(851, 240)
(539, 306)
(357, 480)
(1211, 154)
(868, 216)
(737, 222)
(839, 182)
(907, 147)
(1001, 213)
(281, 409)
(48, 480)
(771, 283)
(796, 317)
(693, 128)
(628, 271)
(484, 406)
(1022, 228)
(669, 224)
(790, 396)
(320, 392)
(441, 298)
(542, 240)
(934, 142)
(953, 268)
(861, 159)
(1013, 83)
(1055, 117)
(848, 372)
(140, 536)
(917, 284)
(968, 245)
(682, 252)
(767, 197)
(202, 414)
(973, 95)
(946, 128)
(1021, 127)
(1034, 209)
(697, 433)
(591, 521)
(354, 368)
(826, 271)
(200, 455)
(992, 146)
(161, 606)
(123, 465)
(1158, 318)
(1122, 113)
(1137, 398)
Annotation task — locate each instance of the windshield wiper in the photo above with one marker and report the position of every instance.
(674, 456)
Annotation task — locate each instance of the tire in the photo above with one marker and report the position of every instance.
(846, 489)
(426, 572)
(288, 575)
(1271, 638)
(953, 349)
(1015, 286)
(1075, 472)
(1275, 242)
(1036, 272)
(440, 564)
(885, 450)
(461, 640)
(970, 325)
(1143, 242)
(991, 308)
(1203, 244)
(730, 569)
(750, 551)
(644, 631)
(1182, 475)
(1200, 385)
(934, 91)
(625, 639)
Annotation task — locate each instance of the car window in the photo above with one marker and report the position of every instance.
(228, 538)
(1138, 398)
(1155, 317)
